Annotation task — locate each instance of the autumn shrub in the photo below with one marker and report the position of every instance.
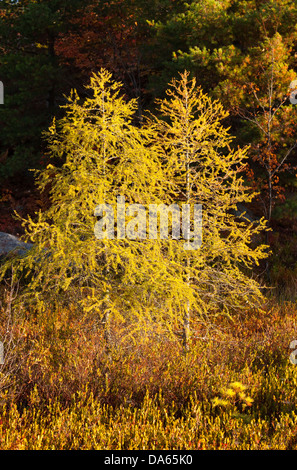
(61, 387)
(87, 424)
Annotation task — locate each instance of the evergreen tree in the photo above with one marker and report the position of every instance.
(33, 75)
(125, 273)
(105, 157)
(202, 169)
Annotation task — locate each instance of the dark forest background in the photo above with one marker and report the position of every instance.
(243, 53)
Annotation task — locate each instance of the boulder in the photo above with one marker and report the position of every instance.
(11, 244)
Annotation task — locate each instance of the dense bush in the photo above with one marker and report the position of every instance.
(62, 389)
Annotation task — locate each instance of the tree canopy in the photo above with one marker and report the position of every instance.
(181, 158)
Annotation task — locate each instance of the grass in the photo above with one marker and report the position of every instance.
(60, 388)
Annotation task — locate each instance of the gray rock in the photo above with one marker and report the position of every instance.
(11, 244)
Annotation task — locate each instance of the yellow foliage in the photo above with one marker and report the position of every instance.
(183, 157)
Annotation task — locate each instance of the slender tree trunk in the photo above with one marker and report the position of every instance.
(106, 306)
(269, 168)
(186, 325)
(269, 214)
